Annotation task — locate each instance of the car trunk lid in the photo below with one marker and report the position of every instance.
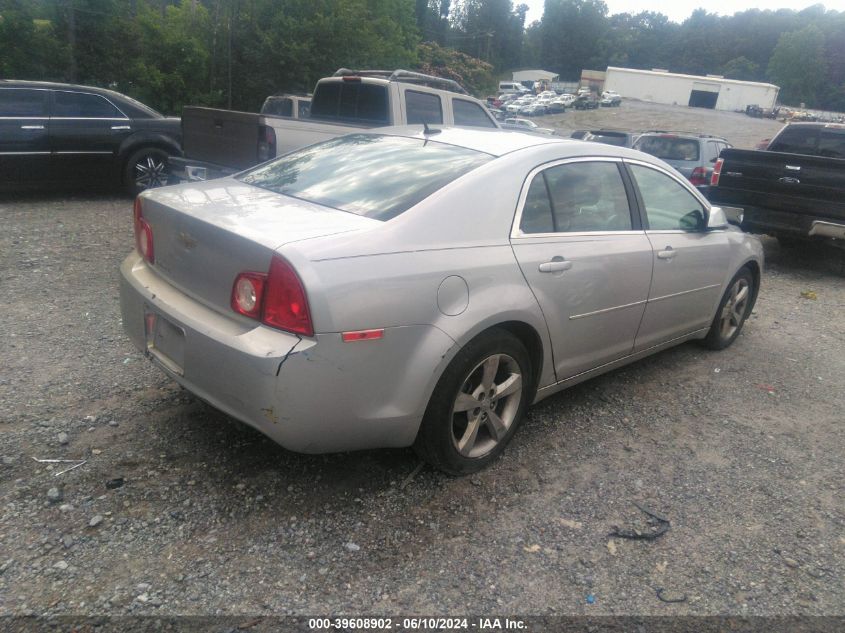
(205, 235)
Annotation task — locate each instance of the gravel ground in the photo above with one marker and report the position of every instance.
(179, 510)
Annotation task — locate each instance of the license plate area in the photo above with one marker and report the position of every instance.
(165, 342)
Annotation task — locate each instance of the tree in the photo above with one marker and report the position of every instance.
(741, 68)
(798, 66)
(571, 35)
(30, 47)
(491, 30)
(473, 74)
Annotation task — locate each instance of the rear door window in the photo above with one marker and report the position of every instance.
(423, 107)
(832, 143)
(470, 114)
(21, 102)
(577, 198)
(84, 106)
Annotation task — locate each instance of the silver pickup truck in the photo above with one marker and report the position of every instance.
(221, 142)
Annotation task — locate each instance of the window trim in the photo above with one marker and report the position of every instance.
(516, 232)
(85, 118)
(677, 178)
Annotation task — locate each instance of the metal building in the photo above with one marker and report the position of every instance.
(534, 75)
(661, 86)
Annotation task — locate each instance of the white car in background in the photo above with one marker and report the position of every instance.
(565, 100)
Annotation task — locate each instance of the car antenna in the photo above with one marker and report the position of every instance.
(428, 131)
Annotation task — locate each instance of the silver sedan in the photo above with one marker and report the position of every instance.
(424, 287)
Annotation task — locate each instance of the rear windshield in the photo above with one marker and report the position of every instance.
(376, 176)
(350, 101)
(669, 147)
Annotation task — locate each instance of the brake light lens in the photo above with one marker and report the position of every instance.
(276, 298)
(143, 233)
(717, 171)
(698, 176)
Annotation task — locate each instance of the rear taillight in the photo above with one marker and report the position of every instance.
(143, 233)
(717, 171)
(698, 177)
(266, 143)
(276, 298)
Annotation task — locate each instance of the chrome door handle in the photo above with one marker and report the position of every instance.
(555, 266)
(121, 127)
(32, 127)
(667, 253)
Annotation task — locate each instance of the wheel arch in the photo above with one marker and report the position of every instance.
(756, 274)
(141, 140)
(530, 338)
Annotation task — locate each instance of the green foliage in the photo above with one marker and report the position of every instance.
(473, 74)
(741, 68)
(798, 65)
(572, 35)
(169, 53)
(30, 47)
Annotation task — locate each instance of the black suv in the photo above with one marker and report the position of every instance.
(62, 133)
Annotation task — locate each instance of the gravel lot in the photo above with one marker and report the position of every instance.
(179, 510)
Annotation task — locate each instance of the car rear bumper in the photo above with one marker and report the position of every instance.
(309, 394)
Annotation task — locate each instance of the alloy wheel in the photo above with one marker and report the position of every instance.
(486, 405)
(734, 310)
(150, 171)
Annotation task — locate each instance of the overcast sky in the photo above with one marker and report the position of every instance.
(680, 10)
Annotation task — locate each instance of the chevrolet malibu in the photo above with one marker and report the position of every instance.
(423, 287)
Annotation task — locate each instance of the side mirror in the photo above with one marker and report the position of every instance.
(717, 219)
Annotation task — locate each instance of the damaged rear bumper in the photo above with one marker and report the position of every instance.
(309, 394)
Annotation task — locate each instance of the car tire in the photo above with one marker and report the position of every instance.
(733, 310)
(477, 405)
(145, 168)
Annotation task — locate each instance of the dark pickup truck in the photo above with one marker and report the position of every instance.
(794, 189)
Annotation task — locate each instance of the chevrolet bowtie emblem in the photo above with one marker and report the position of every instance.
(186, 240)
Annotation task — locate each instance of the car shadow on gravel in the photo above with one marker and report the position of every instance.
(196, 438)
(806, 257)
(63, 193)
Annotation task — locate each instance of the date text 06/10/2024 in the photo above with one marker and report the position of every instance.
(417, 624)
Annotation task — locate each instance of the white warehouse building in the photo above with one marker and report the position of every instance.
(660, 86)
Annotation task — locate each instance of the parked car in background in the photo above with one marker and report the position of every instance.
(535, 109)
(555, 107)
(586, 102)
(694, 155)
(337, 299)
(610, 99)
(566, 100)
(517, 104)
(512, 87)
(794, 190)
(525, 125)
(619, 138)
(68, 134)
